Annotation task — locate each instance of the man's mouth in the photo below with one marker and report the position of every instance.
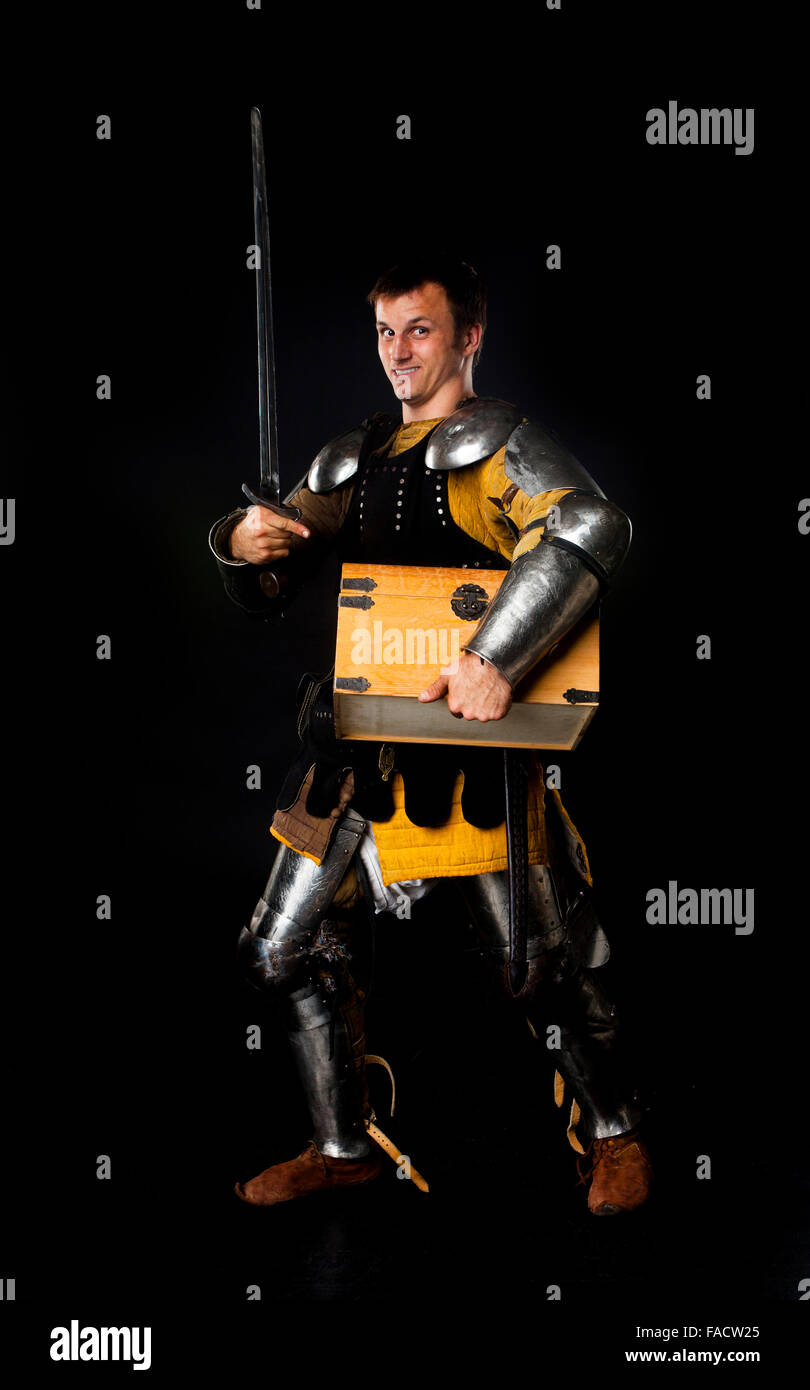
(403, 371)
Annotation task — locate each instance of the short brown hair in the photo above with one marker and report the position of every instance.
(462, 284)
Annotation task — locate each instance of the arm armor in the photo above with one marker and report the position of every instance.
(549, 588)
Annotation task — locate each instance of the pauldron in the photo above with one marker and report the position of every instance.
(534, 460)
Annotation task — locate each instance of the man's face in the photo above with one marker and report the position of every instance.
(416, 340)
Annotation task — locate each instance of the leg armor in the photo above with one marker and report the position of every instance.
(290, 946)
(561, 988)
(589, 1059)
(487, 897)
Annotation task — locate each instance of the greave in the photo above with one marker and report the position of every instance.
(331, 1070)
(561, 990)
(589, 1059)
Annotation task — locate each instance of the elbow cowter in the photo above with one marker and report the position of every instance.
(548, 589)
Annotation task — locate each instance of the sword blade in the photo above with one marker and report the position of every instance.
(268, 428)
(269, 489)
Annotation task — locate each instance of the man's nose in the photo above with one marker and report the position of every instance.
(400, 348)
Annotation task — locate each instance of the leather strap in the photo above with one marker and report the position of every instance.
(387, 1145)
(559, 1090)
(516, 776)
(391, 1149)
(574, 1117)
(573, 1120)
(372, 1057)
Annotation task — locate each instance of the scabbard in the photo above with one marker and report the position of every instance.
(516, 776)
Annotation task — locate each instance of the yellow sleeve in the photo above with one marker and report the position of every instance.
(494, 511)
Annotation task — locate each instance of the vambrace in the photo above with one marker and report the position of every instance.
(549, 588)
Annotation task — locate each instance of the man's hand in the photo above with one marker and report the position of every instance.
(476, 691)
(261, 536)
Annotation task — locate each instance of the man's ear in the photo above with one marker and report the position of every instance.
(472, 339)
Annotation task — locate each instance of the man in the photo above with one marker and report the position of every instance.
(460, 482)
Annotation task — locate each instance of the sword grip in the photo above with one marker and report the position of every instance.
(270, 502)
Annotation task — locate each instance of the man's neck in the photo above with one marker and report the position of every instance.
(442, 403)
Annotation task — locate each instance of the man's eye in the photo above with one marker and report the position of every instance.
(420, 329)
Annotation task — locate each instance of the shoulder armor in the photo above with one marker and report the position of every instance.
(340, 459)
(337, 461)
(538, 463)
(473, 432)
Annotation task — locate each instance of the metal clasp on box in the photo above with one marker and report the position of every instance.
(469, 601)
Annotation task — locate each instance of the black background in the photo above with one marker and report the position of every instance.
(127, 777)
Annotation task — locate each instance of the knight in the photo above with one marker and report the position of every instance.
(452, 480)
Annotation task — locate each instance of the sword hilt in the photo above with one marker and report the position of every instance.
(269, 500)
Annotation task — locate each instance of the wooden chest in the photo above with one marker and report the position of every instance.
(399, 626)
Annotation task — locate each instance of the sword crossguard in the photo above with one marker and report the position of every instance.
(260, 499)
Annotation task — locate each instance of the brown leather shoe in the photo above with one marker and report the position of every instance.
(621, 1175)
(311, 1171)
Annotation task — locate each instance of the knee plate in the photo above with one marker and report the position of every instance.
(276, 946)
(267, 961)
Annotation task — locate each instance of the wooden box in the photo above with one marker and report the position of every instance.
(398, 626)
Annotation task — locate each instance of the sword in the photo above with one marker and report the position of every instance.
(268, 494)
